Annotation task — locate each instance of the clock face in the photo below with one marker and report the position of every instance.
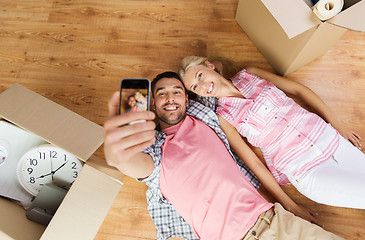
(47, 164)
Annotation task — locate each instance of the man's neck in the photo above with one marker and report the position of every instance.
(164, 125)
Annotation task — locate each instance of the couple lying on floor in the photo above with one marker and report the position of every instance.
(199, 189)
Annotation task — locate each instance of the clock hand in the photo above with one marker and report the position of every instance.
(53, 172)
(59, 167)
(51, 169)
(42, 176)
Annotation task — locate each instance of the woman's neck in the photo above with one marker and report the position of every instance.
(230, 90)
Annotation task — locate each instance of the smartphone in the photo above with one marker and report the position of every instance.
(134, 95)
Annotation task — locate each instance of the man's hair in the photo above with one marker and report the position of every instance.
(130, 96)
(167, 74)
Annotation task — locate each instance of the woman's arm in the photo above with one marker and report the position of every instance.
(268, 181)
(310, 98)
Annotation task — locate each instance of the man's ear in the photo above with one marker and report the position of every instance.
(152, 104)
(187, 99)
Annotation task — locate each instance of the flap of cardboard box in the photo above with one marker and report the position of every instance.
(101, 165)
(51, 121)
(352, 18)
(14, 224)
(294, 16)
(85, 206)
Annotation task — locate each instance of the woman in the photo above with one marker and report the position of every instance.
(142, 100)
(299, 147)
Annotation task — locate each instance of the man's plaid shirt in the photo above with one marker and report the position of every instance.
(167, 221)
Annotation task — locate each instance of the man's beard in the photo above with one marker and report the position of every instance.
(171, 119)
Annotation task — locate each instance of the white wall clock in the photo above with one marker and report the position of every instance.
(47, 164)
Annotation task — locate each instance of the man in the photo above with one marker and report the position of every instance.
(188, 167)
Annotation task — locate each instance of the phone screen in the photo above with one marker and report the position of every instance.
(134, 95)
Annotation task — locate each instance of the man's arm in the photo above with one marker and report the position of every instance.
(124, 142)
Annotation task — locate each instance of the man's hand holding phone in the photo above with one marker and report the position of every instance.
(123, 141)
(134, 96)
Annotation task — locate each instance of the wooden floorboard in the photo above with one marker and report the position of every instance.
(75, 52)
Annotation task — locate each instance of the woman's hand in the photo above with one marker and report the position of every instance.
(306, 214)
(350, 135)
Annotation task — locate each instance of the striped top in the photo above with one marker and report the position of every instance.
(292, 139)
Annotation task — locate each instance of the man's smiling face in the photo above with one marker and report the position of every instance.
(170, 102)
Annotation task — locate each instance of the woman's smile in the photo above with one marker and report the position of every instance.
(211, 87)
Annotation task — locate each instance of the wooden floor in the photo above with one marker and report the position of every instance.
(75, 52)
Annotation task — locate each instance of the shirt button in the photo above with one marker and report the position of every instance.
(299, 135)
(276, 117)
(253, 233)
(253, 100)
(266, 108)
(311, 145)
(287, 125)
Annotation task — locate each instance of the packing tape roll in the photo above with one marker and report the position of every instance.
(326, 9)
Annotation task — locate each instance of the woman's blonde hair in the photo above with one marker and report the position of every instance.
(229, 67)
(191, 61)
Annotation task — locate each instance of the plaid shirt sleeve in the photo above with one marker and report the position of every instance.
(210, 102)
(167, 221)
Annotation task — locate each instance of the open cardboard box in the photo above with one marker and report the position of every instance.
(88, 201)
(289, 35)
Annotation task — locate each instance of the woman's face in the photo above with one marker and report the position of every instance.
(203, 80)
(139, 97)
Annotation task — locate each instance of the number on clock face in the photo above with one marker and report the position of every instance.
(46, 164)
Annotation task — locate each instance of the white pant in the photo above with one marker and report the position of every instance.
(339, 182)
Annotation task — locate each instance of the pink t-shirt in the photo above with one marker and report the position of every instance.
(204, 184)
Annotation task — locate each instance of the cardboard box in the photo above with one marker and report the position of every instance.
(88, 201)
(289, 35)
